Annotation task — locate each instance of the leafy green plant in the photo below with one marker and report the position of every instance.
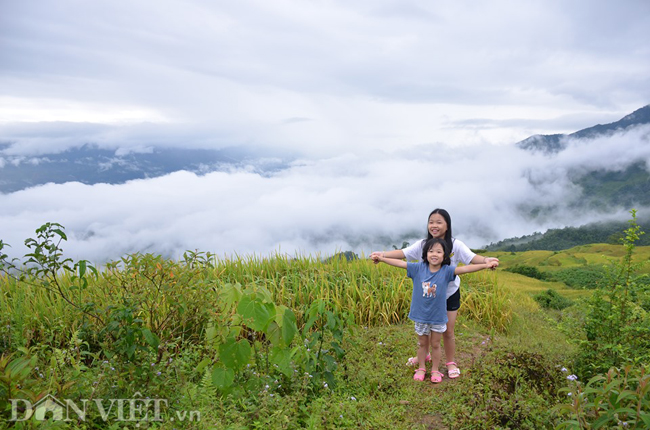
(616, 327)
(16, 377)
(253, 330)
(45, 264)
(619, 399)
(551, 299)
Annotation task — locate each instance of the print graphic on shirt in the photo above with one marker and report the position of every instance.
(429, 290)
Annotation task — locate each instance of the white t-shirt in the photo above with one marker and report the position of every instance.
(459, 253)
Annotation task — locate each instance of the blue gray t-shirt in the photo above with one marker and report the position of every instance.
(429, 301)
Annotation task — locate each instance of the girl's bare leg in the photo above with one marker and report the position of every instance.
(423, 349)
(449, 338)
(436, 352)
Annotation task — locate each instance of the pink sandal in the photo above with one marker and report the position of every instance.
(412, 361)
(436, 377)
(417, 377)
(453, 373)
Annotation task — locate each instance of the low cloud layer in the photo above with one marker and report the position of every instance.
(322, 206)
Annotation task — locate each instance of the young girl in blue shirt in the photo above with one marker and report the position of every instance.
(431, 278)
(439, 225)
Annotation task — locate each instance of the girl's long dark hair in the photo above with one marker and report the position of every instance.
(447, 217)
(446, 260)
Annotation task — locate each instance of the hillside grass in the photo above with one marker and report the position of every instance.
(598, 254)
(510, 351)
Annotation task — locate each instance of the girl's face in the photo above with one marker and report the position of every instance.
(437, 226)
(436, 255)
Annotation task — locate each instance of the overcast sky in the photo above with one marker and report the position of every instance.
(368, 95)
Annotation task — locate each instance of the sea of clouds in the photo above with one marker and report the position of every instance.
(359, 202)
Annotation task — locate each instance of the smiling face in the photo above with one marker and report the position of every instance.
(437, 226)
(436, 255)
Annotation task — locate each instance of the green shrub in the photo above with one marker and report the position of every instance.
(585, 277)
(510, 389)
(530, 271)
(551, 299)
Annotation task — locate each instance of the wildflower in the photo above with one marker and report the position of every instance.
(569, 394)
(564, 369)
(353, 398)
(112, 368)
(572, 377)
(325, 384)
(159, 373)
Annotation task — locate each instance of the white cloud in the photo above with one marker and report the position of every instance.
(340, 203)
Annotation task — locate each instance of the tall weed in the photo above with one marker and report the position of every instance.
(616, 327)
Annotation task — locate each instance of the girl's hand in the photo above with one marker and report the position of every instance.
(376, 257)
(492, 264)
(492, 260)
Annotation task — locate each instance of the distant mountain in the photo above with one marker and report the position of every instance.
(601, 189)
(557, 142)
(90, 164)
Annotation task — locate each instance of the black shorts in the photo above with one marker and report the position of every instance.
(453, 302)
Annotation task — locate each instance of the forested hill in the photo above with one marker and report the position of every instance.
(568, 237)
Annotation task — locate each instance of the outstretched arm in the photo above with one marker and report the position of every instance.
(479, 259)
(390, 261)
(395, 254)
(475, 267)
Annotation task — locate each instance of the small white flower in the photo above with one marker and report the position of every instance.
(572, 377)
(353, 398)
(564, 369)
